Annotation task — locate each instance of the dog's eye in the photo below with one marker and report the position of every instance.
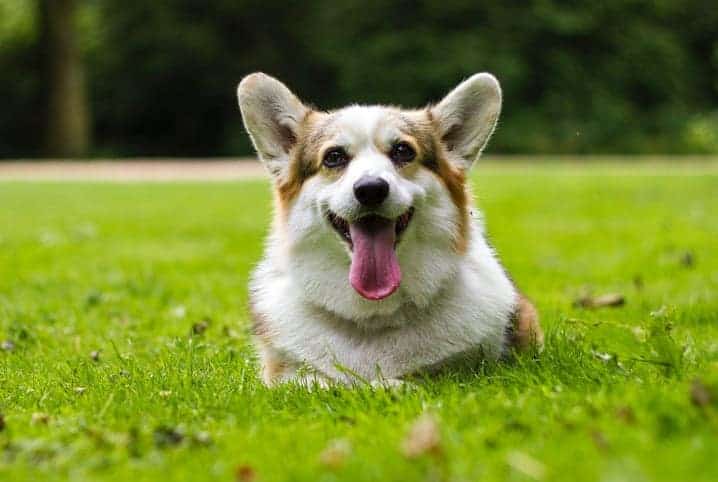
(401, 153)
(335, 157)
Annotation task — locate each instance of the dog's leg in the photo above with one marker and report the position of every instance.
(526, 331)
(275, 368)
(278, 369)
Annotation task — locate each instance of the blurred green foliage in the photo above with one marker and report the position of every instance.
(617, 76)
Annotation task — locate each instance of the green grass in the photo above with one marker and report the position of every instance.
(127, 269)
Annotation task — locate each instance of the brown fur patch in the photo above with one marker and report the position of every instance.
(303, 159)
(260, 327)
(455, 181)
(526, 331)
(273, 365)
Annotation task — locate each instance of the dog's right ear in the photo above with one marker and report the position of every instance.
(272, 115)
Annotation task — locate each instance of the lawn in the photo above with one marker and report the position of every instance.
(125, 355)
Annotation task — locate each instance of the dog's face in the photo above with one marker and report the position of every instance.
(373, 211)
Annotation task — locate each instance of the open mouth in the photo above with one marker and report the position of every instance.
(372, 239)
(341, 225)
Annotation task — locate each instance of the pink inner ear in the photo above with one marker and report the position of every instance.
(468, 116)
(271, 114)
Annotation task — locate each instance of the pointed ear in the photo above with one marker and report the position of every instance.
(271, 115)
(467, 116)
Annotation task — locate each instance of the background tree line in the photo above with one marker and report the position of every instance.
(119, 78)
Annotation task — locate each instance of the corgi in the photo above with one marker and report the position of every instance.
(377, 266)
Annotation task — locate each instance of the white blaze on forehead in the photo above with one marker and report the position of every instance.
(364, 127)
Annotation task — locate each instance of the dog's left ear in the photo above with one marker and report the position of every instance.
(272, 115)
(467, 116)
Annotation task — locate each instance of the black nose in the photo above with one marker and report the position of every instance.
(371, 191)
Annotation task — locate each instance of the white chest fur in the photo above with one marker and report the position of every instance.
(469, 312)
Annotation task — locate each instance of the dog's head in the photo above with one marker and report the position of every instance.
(370, 196)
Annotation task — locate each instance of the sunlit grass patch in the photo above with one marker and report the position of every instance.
(125, 354)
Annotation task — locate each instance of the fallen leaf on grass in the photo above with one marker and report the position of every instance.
(424, 437)
(245, 473)
(38, 418)
(200, 327)
(700, 394)
(526, 464)
(610, 299)
(335, 454)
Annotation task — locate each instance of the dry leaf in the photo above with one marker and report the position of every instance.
(335, 454)
(245, 473)
(610, 299)
(200, 327)
(424, 437)
(40, 418)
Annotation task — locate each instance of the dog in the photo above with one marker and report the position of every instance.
(377, 267)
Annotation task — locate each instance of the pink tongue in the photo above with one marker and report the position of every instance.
(375, 272)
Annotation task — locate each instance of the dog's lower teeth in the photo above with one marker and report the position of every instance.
(342, 226)
(403, 221)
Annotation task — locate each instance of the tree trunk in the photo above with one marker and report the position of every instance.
(67, 115)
